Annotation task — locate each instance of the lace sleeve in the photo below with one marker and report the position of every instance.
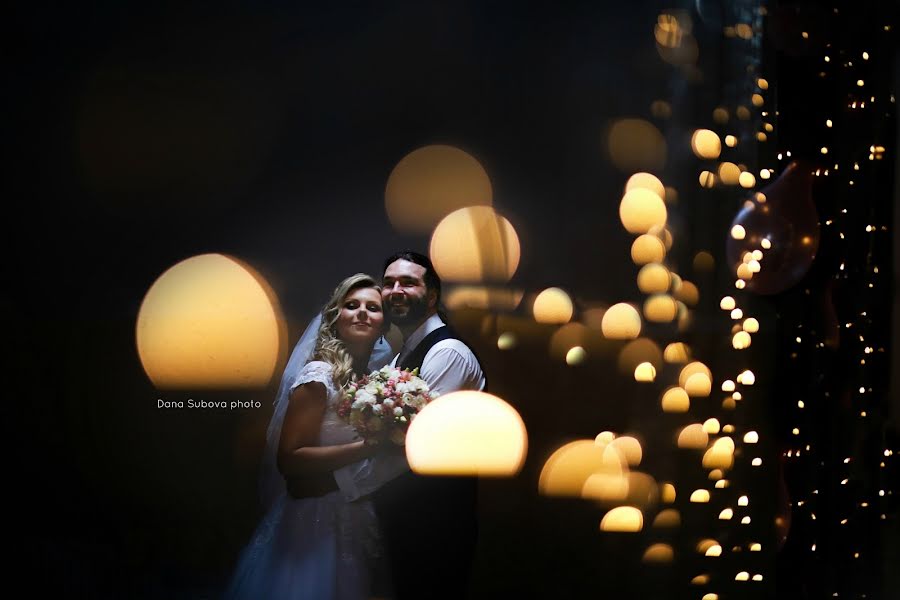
(318, 371)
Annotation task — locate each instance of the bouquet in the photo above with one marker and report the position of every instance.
(382, 404)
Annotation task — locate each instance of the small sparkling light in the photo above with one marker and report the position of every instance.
(827, 59)
(757, 577)
(757, 462)
(800, 403)
(764, 174)
(766, 243)
(860, 82)
(751, 325)
(751, 437)
(731, 141)
(726, 515)
(805, 35)
(742, 576)
(865, 55)
(763, 84)
(828, 122)
(743, 501)
(737, 314)
(756, 547)
(757, 100)
(740, 284)
(727, 303)
(795, 431)
(745, 521)
(728, 385)
(575, 356)
(824, 150)
(737, 396)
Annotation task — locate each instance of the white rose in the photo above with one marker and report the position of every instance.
(365, 397)
(372, 387)
(398, 412)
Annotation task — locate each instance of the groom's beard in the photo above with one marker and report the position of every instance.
(415, 310)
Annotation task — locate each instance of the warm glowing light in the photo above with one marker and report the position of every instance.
(720, 455)
(553, 305)
(667, 493)
(475, 244)
(720, 115)
(675, 400)
(762, 83)
(647, 182)
(765, 243)
(659, 553)
(711, 425)
(746, 378)
(506, 341)
(629, 450)
(704, 261)
(567, 470)
(743, 501)
(751, 437)
(731, 141)
(646, 249)
(645, 372)
(688, 293)
(726, 515)
(432, 182)
(667, 518)
(575, 356)
(622, 519)
(481, 297)
(741, 340)
(467, 433)
(677, 352)
(714, 550)
(700, 496)
(756, 462)
(698, 385)
(639, 351)
(747, 180)
(691, 369)
(737, 314)
(751, 325)
(727, 303)
(706, 144)
(738, 232)
(640, 210)
(757, 100)
(660, 308)
(693, 436)
(636, 145)
(621, 322)
(707, 179)
(756, 547)
(742, 576)
(729, 173)
(210, 322)
(728, 386)
(653, 279)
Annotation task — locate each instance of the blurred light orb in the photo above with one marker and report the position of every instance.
(569, 467)
(604, 438)
(636, 145)
(751, 325)
(714, 550)
(658, 553)
(675, 400)
(702, 580)
(691, 369)
(645, 372)
(728, 428)
(741, 340)
(729, 404)
(704, 262)
(621, 322)
(729, 173)
(751, 437)
(605, 487)
(653, 278)
(744, 271)
(629, 448)
(507, 341)
(746, 179)
(210, 322)
(553, 306)
(677, 352)
(731, 141)
(746, 378)
(762, 83)
(688, 293)
(727, 303)
(566, 338)
(667, 493)
(720, 115)
(575, 356)
(726, 514)
(475, 244)
(693, 436)
(756, 547)
(432, 182)
(700, 496)
(706, 144)
(646, 181)
(742, 576)
(639, 351)
(667, 518)
(623, 519)
(641, 209)
(698, 385)
(467, 433)
(707, 179)
(728, 386)
(720, 455)
(660, 308)
(757, 100)
(647, 249)
(480, 297)
(661, 109)
(716, 474)
(711, 425)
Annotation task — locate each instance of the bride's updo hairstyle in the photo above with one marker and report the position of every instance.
(329, 347)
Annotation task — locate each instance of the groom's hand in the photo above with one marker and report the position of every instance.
(311, 486)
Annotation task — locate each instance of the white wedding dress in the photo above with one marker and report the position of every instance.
(312, 548)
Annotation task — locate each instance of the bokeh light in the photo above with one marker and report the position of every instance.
(677, 352)
(675, 400)
(660, 308)
(567, 470)
(647, 248)
(432, 182)
(552, 306)
(658, 553)
(622, 519)
(636, 145)
(641, 209)
(639, 351)
(646, 181)
(693, 436)
(653, 278)
(475, 244)
(706, 144)
(210, 322)
(621, 322)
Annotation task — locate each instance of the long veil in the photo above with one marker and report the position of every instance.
(271, 482)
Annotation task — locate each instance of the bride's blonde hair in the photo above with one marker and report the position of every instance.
(329, 347)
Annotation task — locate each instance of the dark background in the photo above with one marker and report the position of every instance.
(143, 134)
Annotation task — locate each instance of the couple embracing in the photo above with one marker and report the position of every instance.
(346, 519)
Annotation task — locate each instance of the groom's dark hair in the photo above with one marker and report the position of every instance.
(431, 279)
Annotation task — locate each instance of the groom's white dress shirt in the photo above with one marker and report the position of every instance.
(448, 366)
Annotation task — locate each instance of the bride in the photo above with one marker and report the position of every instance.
(324, 547)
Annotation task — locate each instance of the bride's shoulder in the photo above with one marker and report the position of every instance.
(315, 370)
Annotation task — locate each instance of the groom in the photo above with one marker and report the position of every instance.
(429, 523)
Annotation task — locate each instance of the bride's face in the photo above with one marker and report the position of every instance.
(361, 318)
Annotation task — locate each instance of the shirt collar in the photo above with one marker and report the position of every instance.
(431, 323)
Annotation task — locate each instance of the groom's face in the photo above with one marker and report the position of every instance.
(406, 298)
